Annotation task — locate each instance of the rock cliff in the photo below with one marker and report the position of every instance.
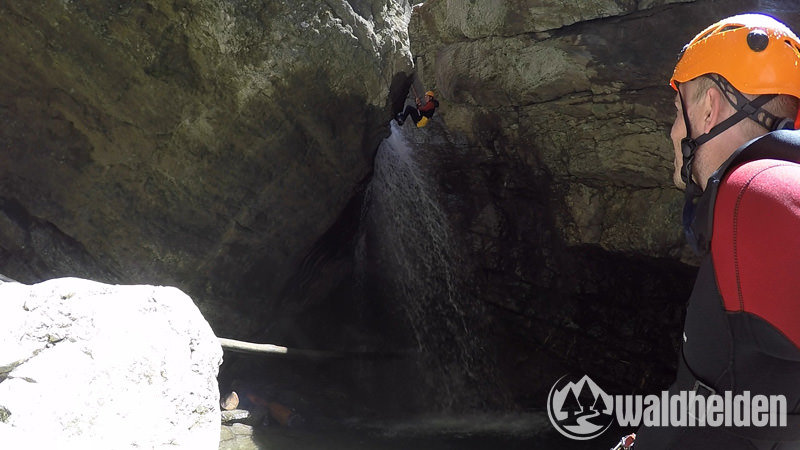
(550, 159)
(197, 143)
(229, 148)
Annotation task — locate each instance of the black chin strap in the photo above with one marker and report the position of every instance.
(689, 145)
(744, 109)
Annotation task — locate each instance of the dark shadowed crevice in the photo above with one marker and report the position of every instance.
(33, 250)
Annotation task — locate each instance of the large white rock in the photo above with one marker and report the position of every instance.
(90, 365)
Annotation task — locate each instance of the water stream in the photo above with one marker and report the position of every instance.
(407, 241)
(413, 238)
(530, 431)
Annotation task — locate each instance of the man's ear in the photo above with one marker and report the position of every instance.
(713, 108)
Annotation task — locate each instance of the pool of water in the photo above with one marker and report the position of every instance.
(440, 432)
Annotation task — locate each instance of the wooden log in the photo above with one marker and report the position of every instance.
(277, 350)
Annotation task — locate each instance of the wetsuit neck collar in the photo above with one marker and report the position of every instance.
(698, 210)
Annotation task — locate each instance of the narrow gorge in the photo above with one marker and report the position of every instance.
(244, 152)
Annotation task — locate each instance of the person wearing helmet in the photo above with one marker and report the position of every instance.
(423, 109)
(737, 155)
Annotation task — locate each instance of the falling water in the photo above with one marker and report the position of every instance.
(407, 243)
(421, 254)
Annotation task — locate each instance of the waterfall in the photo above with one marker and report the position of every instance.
(409, 236)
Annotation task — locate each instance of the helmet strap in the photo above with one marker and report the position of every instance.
(757, 114)
(748, 109)
(689, 146)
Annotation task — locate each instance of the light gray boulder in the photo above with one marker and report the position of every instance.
(90, 365)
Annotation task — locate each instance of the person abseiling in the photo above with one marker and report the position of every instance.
(737, 155)
(422, 112)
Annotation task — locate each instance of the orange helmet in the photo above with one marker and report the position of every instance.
(430, 94)
(754, 52)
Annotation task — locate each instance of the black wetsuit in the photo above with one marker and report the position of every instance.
(742, 327)
(418, 113)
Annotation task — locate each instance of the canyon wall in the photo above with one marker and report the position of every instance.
(552, 161)
(194, 143)
(229, 149)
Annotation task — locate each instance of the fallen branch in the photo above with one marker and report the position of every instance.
(277, 350)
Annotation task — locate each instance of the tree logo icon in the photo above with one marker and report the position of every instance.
(579, 410)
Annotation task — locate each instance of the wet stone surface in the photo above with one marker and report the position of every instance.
(237, 436)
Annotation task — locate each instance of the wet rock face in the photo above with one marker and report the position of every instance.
(225, 147)
(199, 143)
(453, 20)
(552, 155)
(585, 105)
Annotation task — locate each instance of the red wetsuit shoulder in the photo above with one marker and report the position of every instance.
(756, 243)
